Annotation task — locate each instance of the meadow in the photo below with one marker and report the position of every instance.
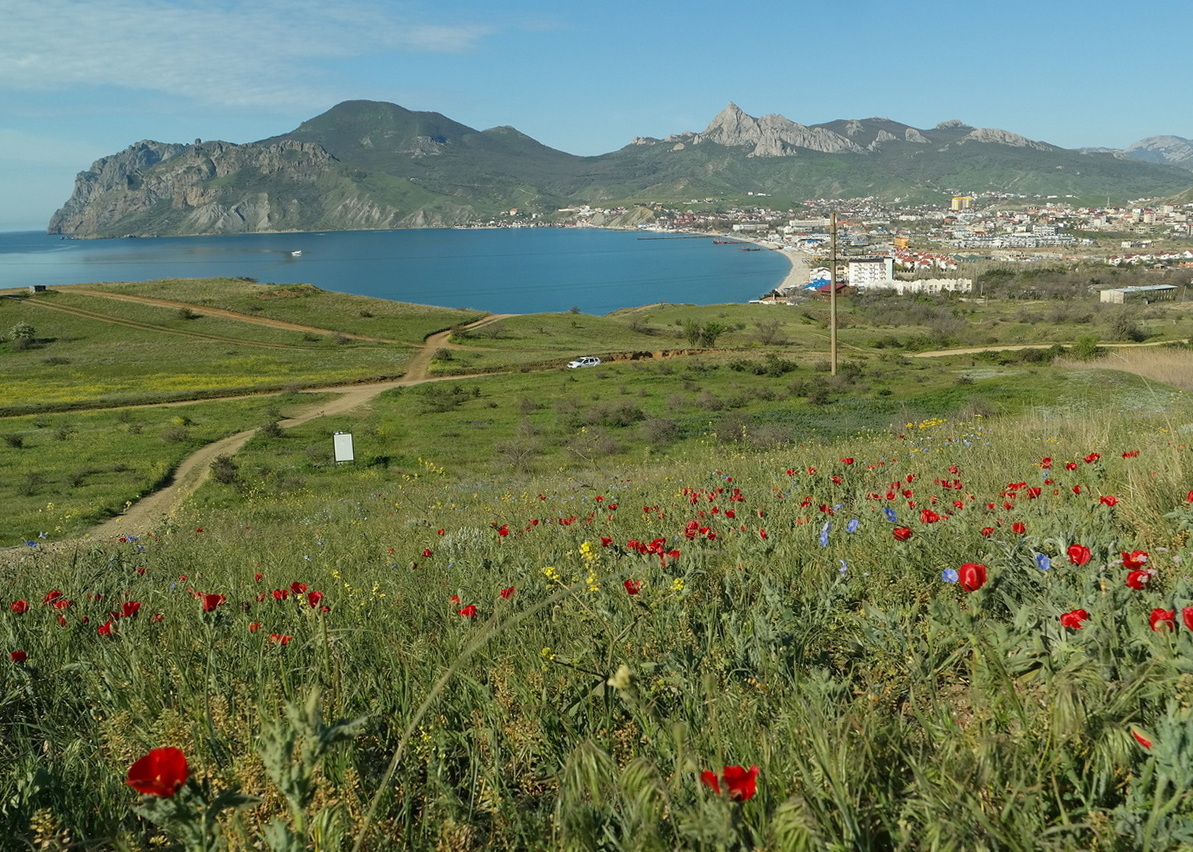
(725, 601)
(963, 635)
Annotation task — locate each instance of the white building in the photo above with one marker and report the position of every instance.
(871, 271)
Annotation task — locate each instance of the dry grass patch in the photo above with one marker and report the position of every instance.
(1166, 364)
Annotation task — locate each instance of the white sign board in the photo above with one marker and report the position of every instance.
(342, 442)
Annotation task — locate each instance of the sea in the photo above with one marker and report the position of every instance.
(501, 270)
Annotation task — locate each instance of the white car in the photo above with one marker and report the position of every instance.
(586, 361)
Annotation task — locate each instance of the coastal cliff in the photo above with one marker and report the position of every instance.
(154, 188)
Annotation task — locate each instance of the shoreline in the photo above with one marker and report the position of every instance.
(797, 276)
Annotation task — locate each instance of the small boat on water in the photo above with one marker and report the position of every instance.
(296, 253)
(724, 242)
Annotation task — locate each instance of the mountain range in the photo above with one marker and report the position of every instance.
(369, 164)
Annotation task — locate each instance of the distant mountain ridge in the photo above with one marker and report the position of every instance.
(1168, 150)
(370, 164)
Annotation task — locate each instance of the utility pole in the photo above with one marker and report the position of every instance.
(832, 293)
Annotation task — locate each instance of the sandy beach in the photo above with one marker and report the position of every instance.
(800, 272)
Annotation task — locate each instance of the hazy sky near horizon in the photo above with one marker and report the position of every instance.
(81, 80)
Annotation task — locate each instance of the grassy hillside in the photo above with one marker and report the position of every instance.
(553, 661)
(725, 600)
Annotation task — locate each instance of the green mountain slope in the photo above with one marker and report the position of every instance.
(367, 164)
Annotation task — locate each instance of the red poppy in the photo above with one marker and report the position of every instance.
(129, 608)
(740, 783)
(1079, 554)
(927, 516)
(19, 656)
(468, 611)
(1046, 463)
(1138, 579)
(1019, 528)
(971, 576)
(1135, 559)
(280, 638)
(210, 602)
(20, 606)
(160, 773)
(847, 461)
(987, 532)
(1163, 620)
(281, 594)
(1108, 500)
(258, 576)
(1073, 620)
(427, 553)
(1187, 616)
(108, 628)
(254, 626)
(901, 533)
(314, 598)
(52, 596)
(1141, 739)
(762, 534)
(507, 593)
(298, 588)
(1092, 457)
(632, 587)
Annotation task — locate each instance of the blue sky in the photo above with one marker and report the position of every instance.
(79, 80)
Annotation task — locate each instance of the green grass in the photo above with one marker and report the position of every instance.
(83, 361)
(873, 699)
(66, 472)
(778, 623)
(305, 304)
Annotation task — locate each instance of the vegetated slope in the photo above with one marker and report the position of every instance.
(366, 164)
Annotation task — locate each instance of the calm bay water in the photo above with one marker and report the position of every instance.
(504, 271)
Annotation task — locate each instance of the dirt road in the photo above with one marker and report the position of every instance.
(154, 510)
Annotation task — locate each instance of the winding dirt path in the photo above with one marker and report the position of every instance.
(154, 510)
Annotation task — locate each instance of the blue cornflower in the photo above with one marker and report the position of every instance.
(949, 575)
(890, 514)
(1043, 562)
(852, 525)
(824, 533)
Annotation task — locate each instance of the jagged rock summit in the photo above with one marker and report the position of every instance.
(771, 135)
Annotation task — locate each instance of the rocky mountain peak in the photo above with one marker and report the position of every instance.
(1172, 150)
(1003, 137)
(770, 136)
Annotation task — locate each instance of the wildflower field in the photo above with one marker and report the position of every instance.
(953, 634)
